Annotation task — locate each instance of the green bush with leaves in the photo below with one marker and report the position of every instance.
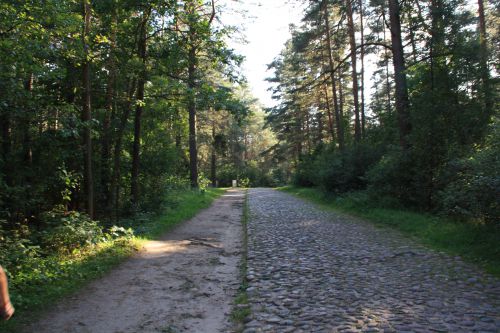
(337, 171)
(69, 230)
(16, 245)
(473, 183)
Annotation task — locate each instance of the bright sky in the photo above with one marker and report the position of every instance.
(266, 28)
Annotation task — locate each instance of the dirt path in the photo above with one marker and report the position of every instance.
(185, 282)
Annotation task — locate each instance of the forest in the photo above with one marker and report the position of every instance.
(426, 136)
(109, 112)
(112, 112)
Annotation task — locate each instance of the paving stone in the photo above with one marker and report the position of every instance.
(319, 271)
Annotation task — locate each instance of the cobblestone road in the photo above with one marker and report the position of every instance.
(316, 271)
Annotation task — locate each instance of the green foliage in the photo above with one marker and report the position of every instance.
(336, 171)
(68, 231)
(176, 183)
(473, 183)
(16, 246)
(203, 182)
(390, 179)
(69, 181)
(437, 153)
(40, 276)
(244, 182)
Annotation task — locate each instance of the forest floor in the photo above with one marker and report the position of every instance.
(184, 282)
(312, 270)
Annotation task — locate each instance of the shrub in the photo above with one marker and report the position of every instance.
(244, 182)
(67, 231)
(336, 171)
(390, 179)
(16, 245)
(473, 183)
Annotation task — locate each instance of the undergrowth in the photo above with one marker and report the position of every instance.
(40, 281)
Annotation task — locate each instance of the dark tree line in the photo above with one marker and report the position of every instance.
(427, 135)
(101, 103)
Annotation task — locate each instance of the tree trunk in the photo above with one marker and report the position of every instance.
(87, 115)
(387, 78)
(193, 149)
(115, 179)
(485, 75)
(402, 101)
(354, 73)
(319, 138)
(363, 116)
(106, 127)
(6, 146)
(340, 130)
(27, 150)
(329, 113)
(341, 99)
(213, 164)
(136, 151)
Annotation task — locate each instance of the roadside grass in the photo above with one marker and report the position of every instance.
(44, 281)
(475, 243)
(241, 309)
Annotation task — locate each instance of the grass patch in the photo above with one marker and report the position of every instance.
(43, 281)
(187, 204)
(473, 242)
(241, 308)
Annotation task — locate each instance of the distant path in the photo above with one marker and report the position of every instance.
(185, 282)
(315, 271)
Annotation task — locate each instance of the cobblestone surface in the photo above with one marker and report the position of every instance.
(316, 271)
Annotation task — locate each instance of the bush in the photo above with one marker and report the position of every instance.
(336, 171)
(473, 183)
(16, 245)
(244, 182)
(67, 231)
(390, 179)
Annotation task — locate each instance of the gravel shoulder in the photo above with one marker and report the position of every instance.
(184, 282)
(316, 271)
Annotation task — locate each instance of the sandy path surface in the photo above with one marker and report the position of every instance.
(185, 282)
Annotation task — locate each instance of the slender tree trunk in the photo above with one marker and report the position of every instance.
(308, 131)
(387, 77)
(87, 115)
(485, 75)
(213, 164)
(136, 152)
(106, 127)
(193, 149)
(177, 130)
(329, 113)
(412, 38)
(6, 146)
(338, 121)
(402, 100)
(354, 73)
(341, 98)
(363, 116)
(437, 43)
(319, 138)
(27, 150)
(115, 179)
